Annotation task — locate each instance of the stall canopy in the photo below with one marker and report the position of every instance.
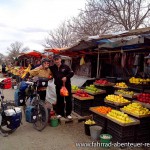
(33, 54)
(55, 50)
(83, 47)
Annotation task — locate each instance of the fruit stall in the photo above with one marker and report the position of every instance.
(124, 114)
(127, 100)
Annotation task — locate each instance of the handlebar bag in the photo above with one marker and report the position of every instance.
(42, 82)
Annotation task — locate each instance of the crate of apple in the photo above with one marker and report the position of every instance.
(82, 93)
(103, 82)
(144, 97)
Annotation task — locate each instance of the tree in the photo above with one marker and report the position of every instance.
(60, 37)
(123, 14)
(89, 22)
(15, 49)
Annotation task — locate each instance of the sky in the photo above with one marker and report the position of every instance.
(29, 21)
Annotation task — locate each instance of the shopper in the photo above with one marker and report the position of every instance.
(62, 74)
(147, 66)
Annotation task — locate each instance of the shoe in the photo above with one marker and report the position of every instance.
(69, 117)
(59, 116)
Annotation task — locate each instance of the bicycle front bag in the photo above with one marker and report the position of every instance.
(42, 82)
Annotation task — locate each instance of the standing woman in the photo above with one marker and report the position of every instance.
(62, 74)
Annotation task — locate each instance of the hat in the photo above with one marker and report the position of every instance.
(56, 56)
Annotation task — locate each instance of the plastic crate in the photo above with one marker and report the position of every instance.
(111, 79)
(98, 100)
(81, 111)
(83, 103)
(121, 131)
(116, 138)
(145, 121)
(102, 121)
(145, 138)
(113, 106)
(140, 130)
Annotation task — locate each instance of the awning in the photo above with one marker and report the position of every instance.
(32, 54)
(55, 50)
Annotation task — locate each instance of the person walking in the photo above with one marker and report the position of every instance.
(62, 74)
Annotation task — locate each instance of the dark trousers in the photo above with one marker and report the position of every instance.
(3, 70)
(60, 106)
(42, 95)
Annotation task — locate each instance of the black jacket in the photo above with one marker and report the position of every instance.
(59, 73)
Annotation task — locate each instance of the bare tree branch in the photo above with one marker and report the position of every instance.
(60, 37)
(15, 49)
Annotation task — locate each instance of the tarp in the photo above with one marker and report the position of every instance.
(127, 44)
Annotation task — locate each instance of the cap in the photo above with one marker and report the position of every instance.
(56, 56)
(45, 60)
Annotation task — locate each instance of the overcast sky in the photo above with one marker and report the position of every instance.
(28, 21)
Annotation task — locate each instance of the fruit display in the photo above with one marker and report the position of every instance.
(119, 116)
(136, 109)
(82, 93)
(74, 87)
(125, 92)
(139, 80)
(101, 109)
(116, 99)
(121, 85)
(90, 122)
(103, 82)
(92, 89)
(144, 97)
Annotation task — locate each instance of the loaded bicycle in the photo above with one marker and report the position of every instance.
(35, 109)
(10, 115)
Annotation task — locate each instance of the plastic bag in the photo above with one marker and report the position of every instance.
(64, 91)
(51, 92)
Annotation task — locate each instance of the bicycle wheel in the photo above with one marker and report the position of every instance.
(4, 125)
(41, 115)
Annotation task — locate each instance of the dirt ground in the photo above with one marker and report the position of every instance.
(63, 137)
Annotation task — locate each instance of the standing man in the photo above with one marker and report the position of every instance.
(62, 74)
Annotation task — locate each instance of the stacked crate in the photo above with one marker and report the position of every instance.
(81, 107)
(143, 131)
(121, 134)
